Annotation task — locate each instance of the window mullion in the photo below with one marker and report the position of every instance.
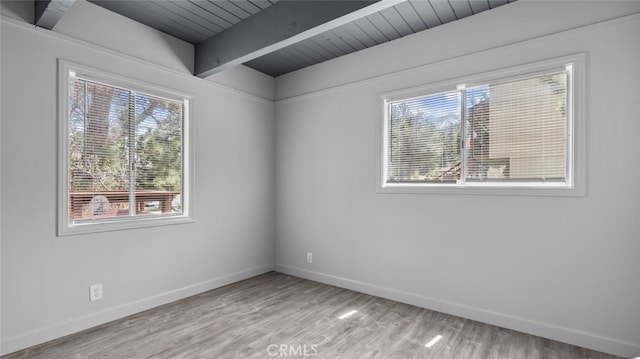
(132, 154)
(569, 124)
(85, 108)
(463, 137)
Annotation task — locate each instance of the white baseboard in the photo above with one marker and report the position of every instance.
(75, 325)
(550, 331)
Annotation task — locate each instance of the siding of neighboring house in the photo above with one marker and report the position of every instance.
(527, 129)
(519, 131)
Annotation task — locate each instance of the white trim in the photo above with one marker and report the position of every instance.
(119, 223)
(546, 330)
(75, 325)
(114, 80)
(576, 121)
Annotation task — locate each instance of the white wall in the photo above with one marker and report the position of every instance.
(45, 279)
(560, 267)
(93, 24)
(565, 268)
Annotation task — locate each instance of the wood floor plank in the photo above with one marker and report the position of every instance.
(290, 317)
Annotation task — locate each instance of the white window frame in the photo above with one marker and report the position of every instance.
(576, 121)
(66, 69)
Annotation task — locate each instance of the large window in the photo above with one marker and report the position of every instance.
(490, 132)
(124, 149)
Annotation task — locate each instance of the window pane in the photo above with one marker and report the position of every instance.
(98, 147)
(424, 139)
(498, 130)
(123, 147)
(158, 154)
(516, 130)
(120, 139)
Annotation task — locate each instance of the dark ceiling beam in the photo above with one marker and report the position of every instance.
(278, 26)
(49, 12)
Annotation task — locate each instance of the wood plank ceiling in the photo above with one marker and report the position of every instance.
(195, 21)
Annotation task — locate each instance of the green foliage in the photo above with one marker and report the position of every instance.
(159, 157)
(557, 85)
(421, 148)
(104, 170)
(101, 139)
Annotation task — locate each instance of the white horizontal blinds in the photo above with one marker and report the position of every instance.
(516, 130)
(98, 143)
(424, 136)
(158, 162)
(125, 152)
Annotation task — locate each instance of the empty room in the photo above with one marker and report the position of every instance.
(328, 179)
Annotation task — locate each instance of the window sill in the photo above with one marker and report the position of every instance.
(519, 189)
(99, 226)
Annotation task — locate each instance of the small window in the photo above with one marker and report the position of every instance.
(124, 153)
(500, 132)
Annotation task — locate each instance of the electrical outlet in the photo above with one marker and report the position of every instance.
(309, 257)
(95, 292)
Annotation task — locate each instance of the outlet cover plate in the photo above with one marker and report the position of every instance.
(95, 292)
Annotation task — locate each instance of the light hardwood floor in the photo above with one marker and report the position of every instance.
(280, 316)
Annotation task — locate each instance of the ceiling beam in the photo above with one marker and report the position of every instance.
(49, 12)
(280, 25)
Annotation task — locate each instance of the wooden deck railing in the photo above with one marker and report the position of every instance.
(79, 200)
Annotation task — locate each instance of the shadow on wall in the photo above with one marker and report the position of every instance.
(185, 57)
(18, 9)
(24, 11)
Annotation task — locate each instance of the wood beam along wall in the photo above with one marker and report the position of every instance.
(281, 25)
(49, 12)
